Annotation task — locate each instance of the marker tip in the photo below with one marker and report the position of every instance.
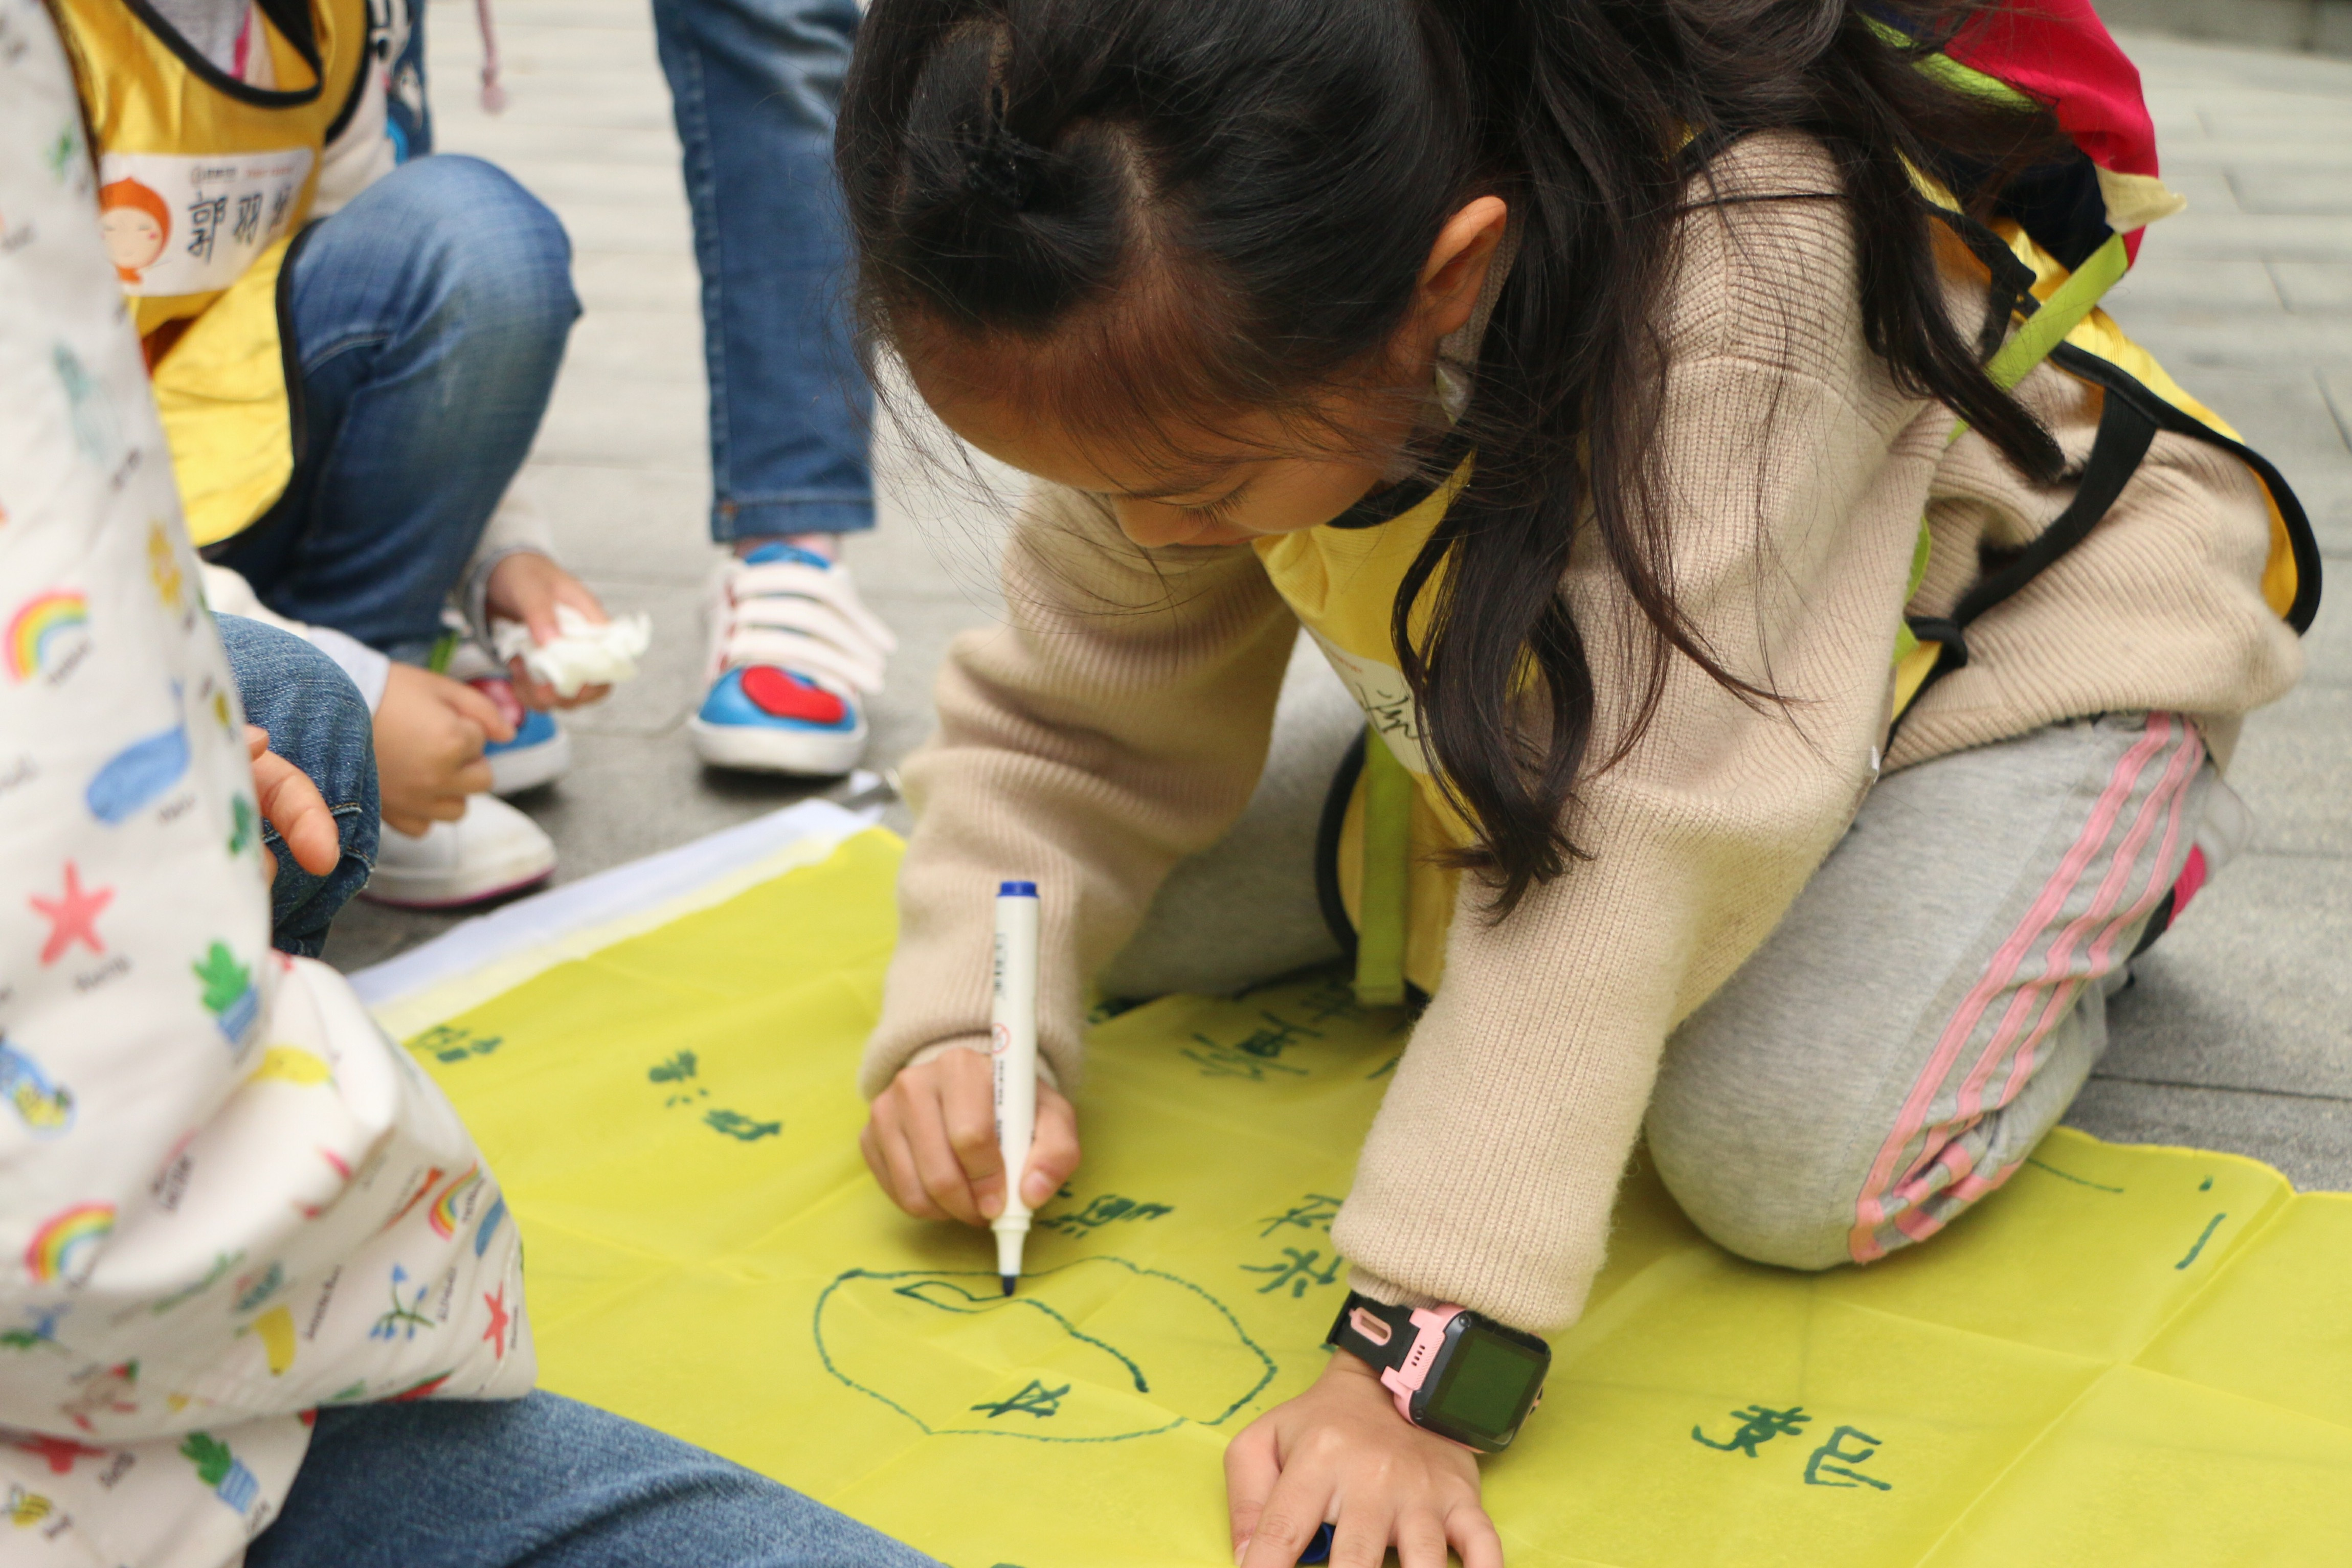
(1008, 1279)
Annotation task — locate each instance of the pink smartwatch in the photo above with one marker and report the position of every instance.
(1451, 1371)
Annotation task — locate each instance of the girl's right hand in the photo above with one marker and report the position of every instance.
(429, 732)
(931, 1141)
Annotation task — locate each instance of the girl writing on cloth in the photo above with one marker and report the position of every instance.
(1578, 374)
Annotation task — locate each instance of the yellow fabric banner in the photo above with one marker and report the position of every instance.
(2130, 1355)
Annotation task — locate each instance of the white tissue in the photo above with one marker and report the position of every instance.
(588, 653)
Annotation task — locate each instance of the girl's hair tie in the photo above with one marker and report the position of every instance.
(1001, 165)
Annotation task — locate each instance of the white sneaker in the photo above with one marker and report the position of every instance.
(793, 652)
(491, 850)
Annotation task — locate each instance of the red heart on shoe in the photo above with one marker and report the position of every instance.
(782, 695)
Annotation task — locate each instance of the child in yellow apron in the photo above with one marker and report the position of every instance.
(351, 356)
(1794, 636)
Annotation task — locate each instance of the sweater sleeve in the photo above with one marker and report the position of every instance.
(1787, 457)
(1115, 725)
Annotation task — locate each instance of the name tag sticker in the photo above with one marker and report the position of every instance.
(179, 225)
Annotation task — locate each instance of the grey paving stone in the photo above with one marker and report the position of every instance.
(2328, 647)
(2309, 1142)
(2223, 288)
(637, 283)
(639, 524)
(637, 183)
(2183, 154)
(2293, 765)
(2206, 235)
(2262, 189)
(2265, 339)
(616, 347)
(2251, 988)
(654, 226)
(2312, 285)
(656, 426)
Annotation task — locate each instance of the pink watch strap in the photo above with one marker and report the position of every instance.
(1404, 1380)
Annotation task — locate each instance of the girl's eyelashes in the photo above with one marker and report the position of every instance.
(1221, 510)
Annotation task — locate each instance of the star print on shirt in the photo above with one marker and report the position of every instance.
(496, 1334)
(60, 1452)
(72, 916)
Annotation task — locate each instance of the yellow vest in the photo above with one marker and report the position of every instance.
(1343, 583)
(204, 183)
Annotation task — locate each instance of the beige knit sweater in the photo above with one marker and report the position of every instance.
(1118, 723)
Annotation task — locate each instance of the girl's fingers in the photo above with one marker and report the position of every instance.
(291, 803)
(897, 1172)
(1420, 1539)
(936, 1162)
(1361, 1539)
(1293, 1513)
(1053, 1150)
(572, 591)
(1473, 1537)
(257, 741)
(968, 1117)
(472, 704)
(1252, 1468)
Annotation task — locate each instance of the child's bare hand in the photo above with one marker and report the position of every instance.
(291, 803)
(429, 734)
(931, 1141)
(526, 586)
(1340, 1452)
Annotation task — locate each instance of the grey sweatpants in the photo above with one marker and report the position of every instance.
(1925, 1011)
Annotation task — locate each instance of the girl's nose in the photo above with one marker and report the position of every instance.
(1154, 523)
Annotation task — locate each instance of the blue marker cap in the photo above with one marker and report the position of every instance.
(1317, 1550)
(1016, 890)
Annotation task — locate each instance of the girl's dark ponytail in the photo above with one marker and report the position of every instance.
(1224, 205)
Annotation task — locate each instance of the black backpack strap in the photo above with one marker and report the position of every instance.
(2129, 419)
(2125, 433)
(2118, 382)
(2011, 290)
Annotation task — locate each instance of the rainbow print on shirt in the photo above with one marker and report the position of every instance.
(66, 1246)
(49, 634)
(44, 1106)
(444, 1218)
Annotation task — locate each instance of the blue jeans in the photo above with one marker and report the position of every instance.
(547, 1482)
(429, 319)
(754, 85)
(317, 721)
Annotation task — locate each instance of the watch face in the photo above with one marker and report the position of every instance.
(1486, 1388)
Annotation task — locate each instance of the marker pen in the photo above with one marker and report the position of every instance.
(1013, 1051)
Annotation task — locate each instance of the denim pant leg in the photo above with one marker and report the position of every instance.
(543, 1481)
(754, 85)
(317, 720)
(429, 320)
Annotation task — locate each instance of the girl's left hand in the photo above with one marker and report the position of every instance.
(1340, 1452)
(291, 803)
(526, 586)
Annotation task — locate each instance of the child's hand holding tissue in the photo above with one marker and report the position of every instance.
(555, 639)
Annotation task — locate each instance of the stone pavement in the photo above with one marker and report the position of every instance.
(2237, 1033)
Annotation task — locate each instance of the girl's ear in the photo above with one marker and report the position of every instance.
(1457, 266)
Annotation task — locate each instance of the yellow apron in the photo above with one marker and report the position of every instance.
(1342, 583)
(203, 184)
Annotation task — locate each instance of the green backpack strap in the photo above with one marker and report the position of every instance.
(1384, 902)
(2118, 452)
